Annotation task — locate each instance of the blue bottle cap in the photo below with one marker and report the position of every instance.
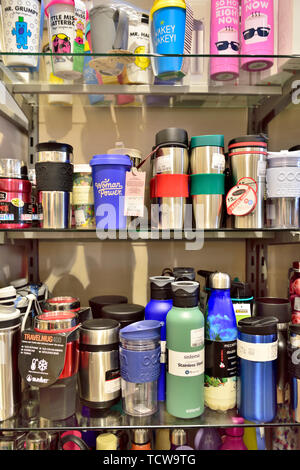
(145, 329)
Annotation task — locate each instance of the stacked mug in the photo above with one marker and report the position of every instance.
(169, 185)
(83, 197)
(207, 180)
(54, 178)
(283, 189)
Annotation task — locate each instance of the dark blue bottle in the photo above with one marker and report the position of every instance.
(157, 309)
(257, 350)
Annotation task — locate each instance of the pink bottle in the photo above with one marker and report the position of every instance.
(234, 437)
(257, 34)
(224, 39)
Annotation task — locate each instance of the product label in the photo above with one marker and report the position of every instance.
(2, 352)
(108, 188)
(297, 304)
(112, 381)
(241, 200)
(242, 310)
(220, 359)
(294, 357)
(218, 161)
(15, 211)
(197, 338)
(134, 193)
(79, 217)
(163, 164)
(3, 196)
(163, 352)
(41, 357)
(138, 43)
(257, 352)
(186, 364)
(261, 169)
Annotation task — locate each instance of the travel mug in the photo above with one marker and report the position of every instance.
(224, 40)
(294, 291)
(66, 26)
(168, 35)
(140, 367)
(63, 391)
(99, 302)
(21, 28)
(10, 380)
(257, 350)
(109, 32)
(280, 309)
(99, 372)
(64, 303)
(294, 370)
(257, 34)
(109, 176)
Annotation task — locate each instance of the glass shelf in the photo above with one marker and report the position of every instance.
(115, 418)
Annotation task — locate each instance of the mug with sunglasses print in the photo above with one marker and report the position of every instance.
(224, 40)
(257, 35)
(66, 25)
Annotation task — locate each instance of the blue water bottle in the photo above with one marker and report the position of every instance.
(257, 350)
(157, 309)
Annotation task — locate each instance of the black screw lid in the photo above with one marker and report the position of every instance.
(53, 146)
(240, 290)
(185, 293)
(184, 274)
(258, 325)
(254, 139)
(128, 313)
(172, 135)
(160, 287)
(97, 303)
(273, 307)
(100, 324)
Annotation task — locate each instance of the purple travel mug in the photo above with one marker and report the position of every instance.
(109, 175)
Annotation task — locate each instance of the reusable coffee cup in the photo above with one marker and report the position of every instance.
(109, 174)
(168, 35)
(66, 25)
(109, 32)
(21, 31)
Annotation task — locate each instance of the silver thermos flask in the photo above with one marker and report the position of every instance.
(10, 380)
(99, 371)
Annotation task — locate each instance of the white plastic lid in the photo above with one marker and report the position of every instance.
(82, 168)
(9, 316)
(9, 291)
(283, 159)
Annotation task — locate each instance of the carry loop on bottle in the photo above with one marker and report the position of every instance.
(257, 350)
(185, 349)
(157, 309)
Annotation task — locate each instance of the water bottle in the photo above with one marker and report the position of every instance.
(158, 307)
(257, 350)
(185, 349)
(220, 346)
(140, 367)
(234, 437)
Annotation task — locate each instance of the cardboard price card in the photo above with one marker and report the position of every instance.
(41, 357)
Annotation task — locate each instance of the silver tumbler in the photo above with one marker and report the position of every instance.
(171, 157)
(10, 380)
(56, 209)
(248, 157)
(99, 372)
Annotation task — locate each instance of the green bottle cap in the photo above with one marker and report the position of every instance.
(207, 141)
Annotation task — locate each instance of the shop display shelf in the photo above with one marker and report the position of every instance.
(115, 418)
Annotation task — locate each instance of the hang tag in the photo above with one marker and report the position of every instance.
(134, 193)
(41, 357)
(241, 200)
(218, 161)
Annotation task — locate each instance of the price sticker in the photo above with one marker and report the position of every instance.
(134, 193)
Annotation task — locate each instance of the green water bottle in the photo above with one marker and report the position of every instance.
(185, 346)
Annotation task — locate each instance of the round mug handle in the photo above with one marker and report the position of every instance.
(167, 272)
(71, 438)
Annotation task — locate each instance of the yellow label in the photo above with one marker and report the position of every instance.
(17, 202)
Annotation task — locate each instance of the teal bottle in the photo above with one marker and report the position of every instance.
(185, 349)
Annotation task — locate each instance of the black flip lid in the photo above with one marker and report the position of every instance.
(258, 325)
(53, 146)
(240, 290)
(184, 274)
(185, 294)
(249, 138)
(273, 307)
(100, 324)
(206, 275)
(172, 135)
(124, 312)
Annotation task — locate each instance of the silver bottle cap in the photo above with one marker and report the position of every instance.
(37, 440)
(219, 281)
(140, 436)
(178, 437)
